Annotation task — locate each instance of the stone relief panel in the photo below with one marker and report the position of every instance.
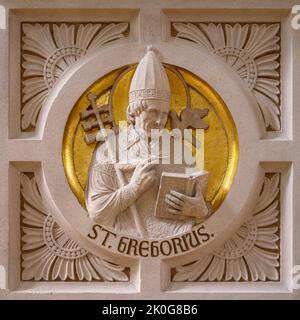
(48, 50)
(253, 51)
(48, 254)
(252, 253)
(109, 203)
(250, 257)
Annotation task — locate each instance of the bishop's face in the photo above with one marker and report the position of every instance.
(151, 118)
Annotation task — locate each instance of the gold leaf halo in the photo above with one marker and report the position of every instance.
(220, 139)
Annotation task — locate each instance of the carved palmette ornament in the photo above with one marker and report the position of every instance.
(48, 253)
(251, 254)
(48, 50)
(253, 51)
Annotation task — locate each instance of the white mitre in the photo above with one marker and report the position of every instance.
(150, 82)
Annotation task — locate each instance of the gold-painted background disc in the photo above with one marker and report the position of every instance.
(220, 139)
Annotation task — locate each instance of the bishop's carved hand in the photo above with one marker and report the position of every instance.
(179, 203)
(144, 176)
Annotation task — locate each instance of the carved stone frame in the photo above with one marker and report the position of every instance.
(261, 152)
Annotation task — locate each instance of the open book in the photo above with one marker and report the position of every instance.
(183, 183)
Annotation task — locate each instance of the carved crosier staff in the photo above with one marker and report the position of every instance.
(120, 176)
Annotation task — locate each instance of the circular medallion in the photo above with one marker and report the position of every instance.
(228, 153)
(187, 91)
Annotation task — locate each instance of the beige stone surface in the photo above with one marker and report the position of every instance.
(39, 151)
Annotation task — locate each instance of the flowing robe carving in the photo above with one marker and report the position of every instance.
(107, 202)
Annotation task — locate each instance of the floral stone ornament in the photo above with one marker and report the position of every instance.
(252, 254)
(253, 52)
(48, 253)
(48, 50)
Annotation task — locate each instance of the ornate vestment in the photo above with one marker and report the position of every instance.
(107, 202)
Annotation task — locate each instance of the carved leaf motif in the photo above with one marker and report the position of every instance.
(110, 33)
(37, 38)
(252, 51)
(252, 254)
(49, 50)
(49, 254)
